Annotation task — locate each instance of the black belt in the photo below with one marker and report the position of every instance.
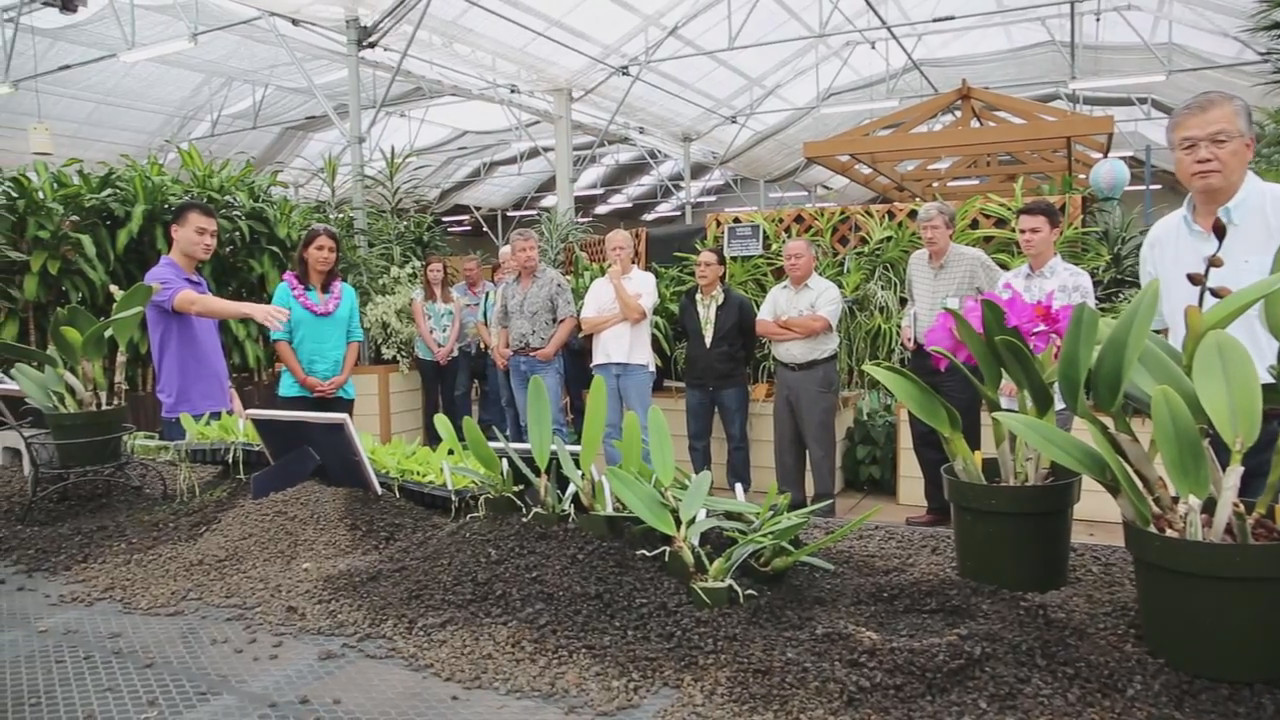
(796, 367)
(526, 351)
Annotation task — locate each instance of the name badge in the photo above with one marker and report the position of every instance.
(951, 303)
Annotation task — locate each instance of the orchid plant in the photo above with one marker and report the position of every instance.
(1009, 339)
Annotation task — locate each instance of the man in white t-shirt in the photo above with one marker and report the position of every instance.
(618, 311)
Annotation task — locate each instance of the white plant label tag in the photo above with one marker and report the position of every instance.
(702, 515)
(448, 476)
(737, 492)
(608, 492)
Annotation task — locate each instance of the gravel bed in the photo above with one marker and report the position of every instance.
(892, 633)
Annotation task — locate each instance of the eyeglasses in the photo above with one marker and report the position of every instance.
(1201, 279)
(706, 263)
(1217, 143)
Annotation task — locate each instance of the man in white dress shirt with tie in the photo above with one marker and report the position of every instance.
(1039, 226)
(1212, 140)
(618, 310)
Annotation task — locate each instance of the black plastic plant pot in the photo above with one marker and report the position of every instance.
(500, 505)
(88, 438)
(253, 456)
(1208, 609)
(1014, 537)
(710, 596)
(595, 524)
(677, 568)
(546, 519)
(761, 575)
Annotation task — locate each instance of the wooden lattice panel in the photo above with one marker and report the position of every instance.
(812, 223)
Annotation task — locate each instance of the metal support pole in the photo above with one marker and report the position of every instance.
(563, 99)
(355, 133)
(1146, 179)
(763, 196)
(688, 183)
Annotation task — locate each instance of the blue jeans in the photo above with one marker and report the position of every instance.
(700, 407)
(627, 387)
(510, 428)
(478, 366)
(171, 429)
(523, 367)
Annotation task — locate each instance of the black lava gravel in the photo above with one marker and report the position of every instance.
(891, 633)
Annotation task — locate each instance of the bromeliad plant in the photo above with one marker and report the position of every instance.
(1185, 392)
(1018, 342)
(70, 376)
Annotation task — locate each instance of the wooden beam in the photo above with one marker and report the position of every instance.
(898, 156)
(908, 117)
(1021, 106)
(1088, 142)
(963, 138)
(947, 173)
(873, 183)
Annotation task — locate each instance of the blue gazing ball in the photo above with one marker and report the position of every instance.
(1109, 177)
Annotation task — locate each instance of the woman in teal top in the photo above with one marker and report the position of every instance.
(320, 342)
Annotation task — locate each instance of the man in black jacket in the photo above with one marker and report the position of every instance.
(720, 327)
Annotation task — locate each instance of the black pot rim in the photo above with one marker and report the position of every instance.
(1258, 561)
(1054, 496)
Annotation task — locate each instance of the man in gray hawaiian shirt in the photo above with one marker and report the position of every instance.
(475, 365)
(535, 318)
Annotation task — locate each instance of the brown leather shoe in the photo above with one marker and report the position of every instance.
(929, 520)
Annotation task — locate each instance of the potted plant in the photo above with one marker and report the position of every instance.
(1206, 564)
(68, 383)
(1011, 514)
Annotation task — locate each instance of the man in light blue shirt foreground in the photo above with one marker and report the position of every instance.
(1212, 140)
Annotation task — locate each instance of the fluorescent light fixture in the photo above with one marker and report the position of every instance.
(1143, 187)
(585, 219)
(966, 181)
(458, 228)
(454, 218)
(704, 198)
(744, 208)
(1113, 81)
(521, 213)
(1121, 153)
(549, 200)
(588, 191)
(146, 52)
(789, 193)
(613, 206)
(6, 88)
(653, 215)
(822, 205)
(868, 105)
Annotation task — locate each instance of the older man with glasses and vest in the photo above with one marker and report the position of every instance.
(1223, 236)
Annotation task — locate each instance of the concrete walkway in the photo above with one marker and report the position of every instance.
(72, 662)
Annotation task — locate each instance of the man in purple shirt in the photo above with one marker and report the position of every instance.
(182, 322)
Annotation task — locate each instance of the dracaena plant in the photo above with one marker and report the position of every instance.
(70, 375)
(1009, 339)
(1208, 383)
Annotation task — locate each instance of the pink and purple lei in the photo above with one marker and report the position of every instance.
(299, 291)
(1041, 324)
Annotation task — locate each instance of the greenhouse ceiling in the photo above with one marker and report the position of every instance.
(470, 85)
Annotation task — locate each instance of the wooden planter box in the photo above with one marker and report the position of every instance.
(1095, 503)
(388, 402)
(759, 435)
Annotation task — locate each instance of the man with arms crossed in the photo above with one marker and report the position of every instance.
(941, 275)
(535, 317)
(1039, 226)
(1212, 139)
(617, 310)
(182, 323)
(799, 317)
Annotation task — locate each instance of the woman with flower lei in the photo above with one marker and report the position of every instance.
(320, 342)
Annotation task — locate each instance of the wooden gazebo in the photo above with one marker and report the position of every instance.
(988, 141)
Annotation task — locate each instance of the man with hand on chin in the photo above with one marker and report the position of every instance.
(534, 318)
(192, 376)
(618, 309)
